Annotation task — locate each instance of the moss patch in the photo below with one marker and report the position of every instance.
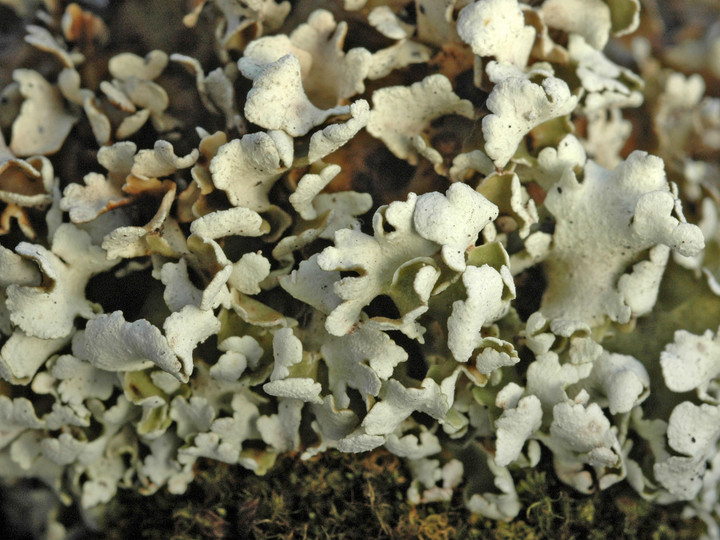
(345, 496)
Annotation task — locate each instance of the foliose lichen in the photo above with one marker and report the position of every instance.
(429, 227)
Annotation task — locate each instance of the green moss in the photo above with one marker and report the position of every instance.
(345, 496)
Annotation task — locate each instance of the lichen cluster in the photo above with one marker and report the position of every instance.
(435, 227)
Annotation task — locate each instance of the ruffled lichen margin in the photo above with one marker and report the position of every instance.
(436, 232)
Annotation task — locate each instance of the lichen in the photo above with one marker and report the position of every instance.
(440, 236)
